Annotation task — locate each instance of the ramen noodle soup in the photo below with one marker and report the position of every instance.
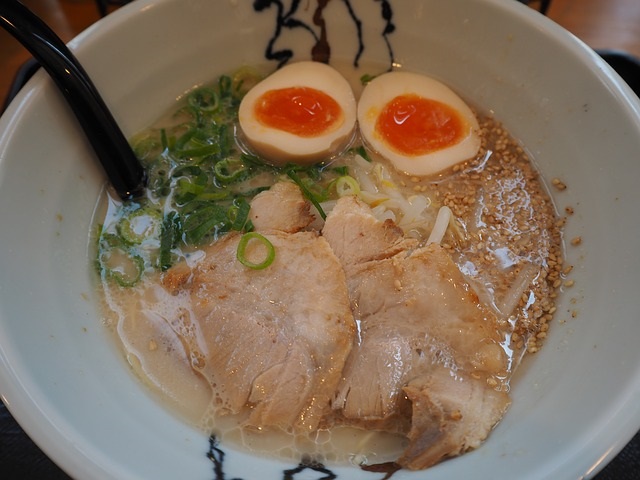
(343, 270)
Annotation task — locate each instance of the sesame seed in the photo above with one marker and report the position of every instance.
(559, 184)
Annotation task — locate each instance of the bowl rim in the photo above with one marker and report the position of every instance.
(32, 413)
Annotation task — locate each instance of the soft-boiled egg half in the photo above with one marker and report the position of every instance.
(303, 113)
(419, 124)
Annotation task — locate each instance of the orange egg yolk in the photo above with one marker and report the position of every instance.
(413, 125)
(301, 111)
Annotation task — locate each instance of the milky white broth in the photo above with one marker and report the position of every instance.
(505, 238)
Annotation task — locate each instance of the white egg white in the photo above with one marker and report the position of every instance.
(280, 147)
(386, 87)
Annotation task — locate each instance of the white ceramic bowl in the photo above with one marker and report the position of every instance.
(575, 404)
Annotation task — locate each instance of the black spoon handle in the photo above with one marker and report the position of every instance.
(111, 147)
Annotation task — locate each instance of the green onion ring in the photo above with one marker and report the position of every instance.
(126, 229)
(242, 247)
(121, 278)
(206, 99)
(347, 185)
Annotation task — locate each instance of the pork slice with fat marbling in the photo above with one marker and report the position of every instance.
(274, 340)
(427, 348)
(281, 208)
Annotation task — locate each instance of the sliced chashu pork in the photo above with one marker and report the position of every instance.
(427, 349)
(275, 339)
(281, 208)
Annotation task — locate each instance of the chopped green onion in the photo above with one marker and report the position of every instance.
(128, 279)
(163, 139)
(202, 151)
(314, 172)
(169, 236)
(146, 146)
(213, 196)
(254, 161)
(245, 78)
(306, 192)
(138, 225)
(118, 262)
(198, 173)
(185, 185)
(342, 170)
(230, 170)
(366, 78)
(363, 153)
(202, 219)
(242, 247)
(183, 139)
(347, 185)
(205, 99)
(224, 85)
(190, 171)
(239, 214)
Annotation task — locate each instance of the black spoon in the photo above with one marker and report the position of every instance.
(111, 147)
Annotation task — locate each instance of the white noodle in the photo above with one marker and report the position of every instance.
(510, 300)
(378, 190)
(441, 225)
(381, 213)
